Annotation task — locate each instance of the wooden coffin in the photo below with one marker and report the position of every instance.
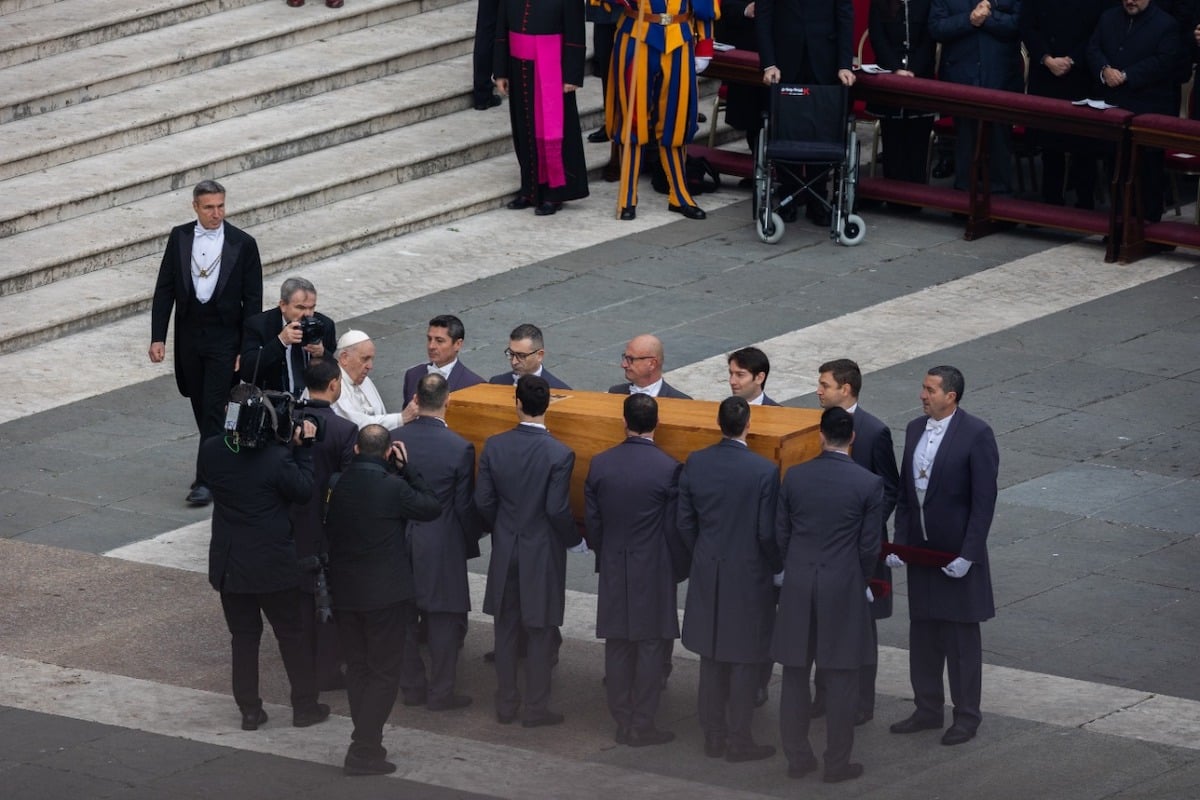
(592, 422)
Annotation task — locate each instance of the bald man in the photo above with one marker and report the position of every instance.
(643, 365)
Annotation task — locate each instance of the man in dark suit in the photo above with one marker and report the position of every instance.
(643, 365)
(838, 384)
(525, 352)
(630, 495)
(332, 453)
(523, 494)
(252, 561)
(947, 499)
(727, 498)
(482, 95)
(806, 41)
(273, 353)
(440, 548)
(827, 530)
(372, 580)
(443, 342)
(748, 371)
(212, 276)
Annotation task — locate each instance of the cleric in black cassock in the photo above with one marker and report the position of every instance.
(540, 55)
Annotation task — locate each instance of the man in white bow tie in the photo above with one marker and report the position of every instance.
(947, 499)
(211, 276)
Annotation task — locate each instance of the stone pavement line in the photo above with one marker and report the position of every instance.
(1017, 693)
(452, 762)
(931, 319)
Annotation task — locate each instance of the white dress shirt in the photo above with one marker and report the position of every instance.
(362, 405)
(652, 390)
(206, 260)
(926, 451)
(443, 371)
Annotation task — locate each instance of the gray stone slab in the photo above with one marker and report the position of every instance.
(38, 782)
(596, 336)
(1078, 435)
(750, 283)
(1084, 489)
(1182, 783)
(1075, 333)
(25, 511)
(1072, 384)
(98, 530)
(22, 465)
(104, 439)
(1162, 353)
(108, 482)
(585, 293)
(1006, 412)
(655, 309)
(984, 363)
(1016, 523)
(1096, 602)
(1017, 466)
(1174, 402)
(683, 347)
(1173, 453)
(754, 322)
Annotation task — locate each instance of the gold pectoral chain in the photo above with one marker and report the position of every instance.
(202, 272)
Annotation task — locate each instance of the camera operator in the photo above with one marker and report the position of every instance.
(372, 579)
(331, 453)
(278, 344)
(252, 556)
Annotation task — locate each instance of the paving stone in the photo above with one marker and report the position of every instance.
(1172, 508)
(25, 511)
(596, 336)
(1162, 353)
(1175, 402)
(1077, 435)
(1014, 524)
(1005, 413)
(96, 530)
(1017, 466)
(1073, 384)
(1174, 453)
(1084, 489)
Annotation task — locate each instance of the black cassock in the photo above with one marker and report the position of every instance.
(540, 46)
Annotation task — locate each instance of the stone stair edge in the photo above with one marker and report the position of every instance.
(13, 6)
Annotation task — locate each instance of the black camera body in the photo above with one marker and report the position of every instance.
(312, 330)
(264, 417)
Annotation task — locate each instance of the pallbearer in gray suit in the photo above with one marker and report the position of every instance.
(631, 493)
(523, 494)
(440, 548)
(727, 497)
(827, 530)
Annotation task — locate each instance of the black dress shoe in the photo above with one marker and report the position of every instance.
(310, 716)
(253, 718)
(736, 754)
(491, 102)
(353, 765)
(914, 724)
(714, 745)
(846, 773)
(334, 3)
(802, 768)
(622, 735)
(761, 695)
(648, 737)
(516, 204)
(628, 213)
(863, 717)
(691, 212)
(956, 734)
(414, 698)
(450, 703)
(547, 208)
(200, 495)
(545, 720)
(598, 136)
(295, 3)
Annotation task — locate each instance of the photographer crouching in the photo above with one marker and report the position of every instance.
(256, 471)
(371, 576)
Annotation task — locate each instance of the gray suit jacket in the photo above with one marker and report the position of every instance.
(506, 379)
(523, 494)
(667, 390)
(827, 529)
(460, 378)
(631, 494)
(440, 548)
(727, 499)
(873, 450)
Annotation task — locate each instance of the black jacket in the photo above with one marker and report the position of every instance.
(262, 330)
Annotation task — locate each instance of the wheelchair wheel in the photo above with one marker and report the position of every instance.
(853, 230)
(769, 228)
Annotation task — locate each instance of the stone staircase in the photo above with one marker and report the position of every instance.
(331, 130)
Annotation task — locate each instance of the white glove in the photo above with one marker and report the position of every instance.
(702, 63)
(870, 595)
(957, 568)
(579, 548)
(778, 579)
(894, 561)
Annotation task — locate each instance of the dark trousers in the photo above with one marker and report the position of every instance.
(999, 154)
(957, 648)
(243, 615)
(321, 642)
(866, 679)
(485, 45)
(537, 658)
(726, 699)
(841, 695)
(1054, 170)
(373, 643)
(446, 631)
(633, 679)
(205, 359)
(906, 147)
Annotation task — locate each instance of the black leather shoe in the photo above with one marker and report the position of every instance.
(761, 695)
(914, 724)
(714, 745)
(354, 765)
(598, 136)
(312, 716)
(491, 102)
(735, 754)
(863, 717)
(846, 773)
(516, 204)
(547, 208)
(691, 212)
(647, 737)
(628, 213)
(450, 703)
(622, 735)
(253, 718)
(414, 698)
(200, 495)
(802, 768)
(956, 734)
(545, 720)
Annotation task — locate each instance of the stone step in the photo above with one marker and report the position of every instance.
(78, 76)
(32, 33)
(142, 114)
(13, 6)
